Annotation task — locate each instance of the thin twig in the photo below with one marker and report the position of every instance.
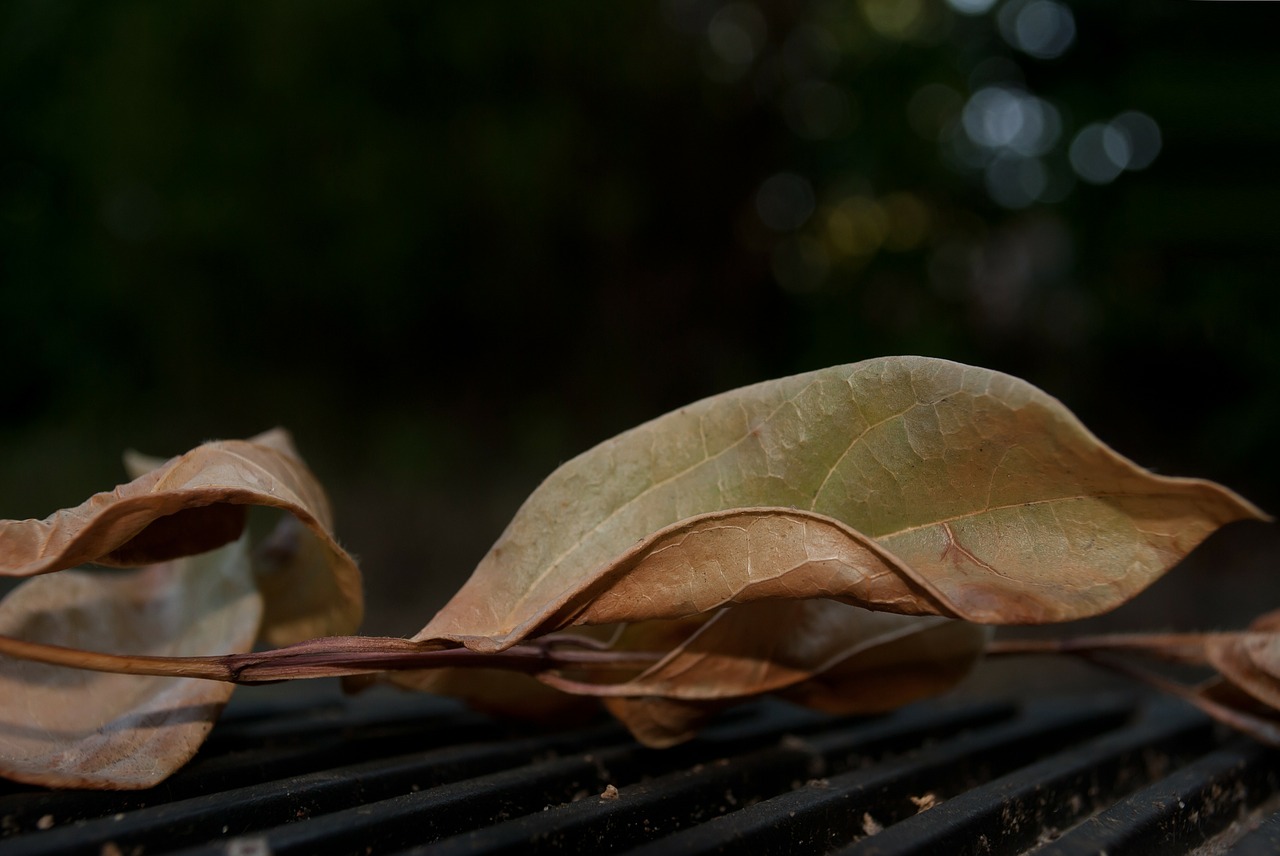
(334, 656)
(1264, 730)
(1171, 647)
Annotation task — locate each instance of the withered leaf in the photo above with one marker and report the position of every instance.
(959, 490)
(905, 484)
(66, 727)
(194, 503)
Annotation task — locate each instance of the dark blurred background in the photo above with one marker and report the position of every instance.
(452, 245)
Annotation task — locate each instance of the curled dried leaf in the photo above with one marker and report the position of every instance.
(986, 498)
(194, 503)
(64, 727)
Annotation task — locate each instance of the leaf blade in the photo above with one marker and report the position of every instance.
(932, 459)
(64, 727)
(196, 502)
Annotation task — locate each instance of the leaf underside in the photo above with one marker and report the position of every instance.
(70, 728)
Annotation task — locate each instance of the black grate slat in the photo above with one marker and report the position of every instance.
(828, 813)
(1180, 811)
(402, 774)
(253, 746)
(1264, 840)
(1028, 806)
(287, 800)
(645, 810)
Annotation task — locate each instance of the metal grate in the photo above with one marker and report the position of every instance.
(385, 773)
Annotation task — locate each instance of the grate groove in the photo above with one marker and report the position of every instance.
(408, 775)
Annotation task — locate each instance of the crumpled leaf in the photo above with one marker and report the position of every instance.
(194, 503)
(663, 600)
(64, 727)
(904, 484)
(994, 503)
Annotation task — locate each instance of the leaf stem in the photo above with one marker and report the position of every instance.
(1261, 729)
(334, 656)
(1172, 647)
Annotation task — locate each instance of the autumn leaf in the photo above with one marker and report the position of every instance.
(65, 727)
(79, 728)
(904, 484)
(194, 503)
(983, 497)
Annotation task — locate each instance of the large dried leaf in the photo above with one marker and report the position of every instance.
(65, 727)
(985, 497)
(195, 502)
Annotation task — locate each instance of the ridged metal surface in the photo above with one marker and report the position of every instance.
(383, 774)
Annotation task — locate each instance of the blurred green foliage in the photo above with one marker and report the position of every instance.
(450, 245)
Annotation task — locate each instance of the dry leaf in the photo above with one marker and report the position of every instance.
(903, 484)
(986, 499)
(196, 502)
(66, 727)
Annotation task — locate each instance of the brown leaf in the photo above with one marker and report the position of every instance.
(904, 484)
(194, 503)
(984, 496)
(703, 563)
(65, 727)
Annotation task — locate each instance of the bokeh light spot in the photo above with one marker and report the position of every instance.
(1098, 153)
(1141, 134)
(893, 19)
(785, 201)
(971, 7)
(1001, 118)
(1014, 181)
(857, 226)
(1044, 29)
(737, 33)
